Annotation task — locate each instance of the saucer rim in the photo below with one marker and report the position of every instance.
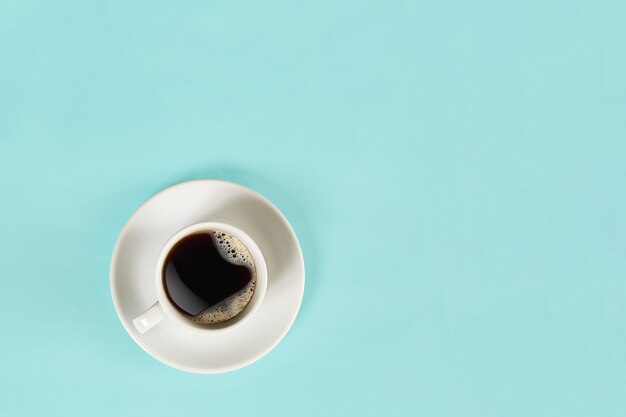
(175, 364)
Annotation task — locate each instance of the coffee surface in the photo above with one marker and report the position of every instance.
(209, 276)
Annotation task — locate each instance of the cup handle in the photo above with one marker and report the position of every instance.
(149, 318)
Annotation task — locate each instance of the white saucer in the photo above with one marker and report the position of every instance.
(141, 240)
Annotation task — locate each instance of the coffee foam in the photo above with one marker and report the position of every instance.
(235, 252)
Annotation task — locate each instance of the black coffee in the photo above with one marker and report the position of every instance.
(209, 276)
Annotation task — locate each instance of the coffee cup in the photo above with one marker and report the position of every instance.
(210, 276)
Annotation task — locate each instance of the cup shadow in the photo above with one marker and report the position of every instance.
(269, 232)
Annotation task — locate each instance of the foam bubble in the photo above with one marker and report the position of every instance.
(235, 252)
(232, 249)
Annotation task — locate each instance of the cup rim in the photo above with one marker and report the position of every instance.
(259, 263)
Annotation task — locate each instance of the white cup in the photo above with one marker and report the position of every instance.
(163, 308)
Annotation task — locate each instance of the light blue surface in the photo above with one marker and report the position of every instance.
(455, 172)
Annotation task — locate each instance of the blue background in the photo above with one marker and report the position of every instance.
(455, 172)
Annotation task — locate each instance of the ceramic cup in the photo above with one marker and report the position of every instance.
(163, 309)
